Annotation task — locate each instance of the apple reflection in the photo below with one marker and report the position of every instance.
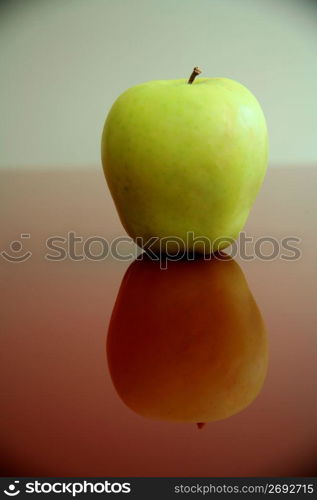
(188, 343)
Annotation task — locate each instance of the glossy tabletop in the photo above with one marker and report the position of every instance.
(61, 412)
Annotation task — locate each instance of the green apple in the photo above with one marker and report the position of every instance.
(185, 157)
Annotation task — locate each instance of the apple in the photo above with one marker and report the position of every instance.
(185, 157)
(186, 344)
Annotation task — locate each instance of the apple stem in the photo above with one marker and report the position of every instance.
(200, 425)
(196, 71)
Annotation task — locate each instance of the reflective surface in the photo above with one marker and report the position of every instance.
(186, 343)
(60, 411)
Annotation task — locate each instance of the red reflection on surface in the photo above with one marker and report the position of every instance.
(60, 414)
(187, 343)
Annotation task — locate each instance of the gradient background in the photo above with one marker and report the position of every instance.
(63, 64)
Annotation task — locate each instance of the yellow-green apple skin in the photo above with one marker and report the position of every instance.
(185, 158)
(188, 343)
